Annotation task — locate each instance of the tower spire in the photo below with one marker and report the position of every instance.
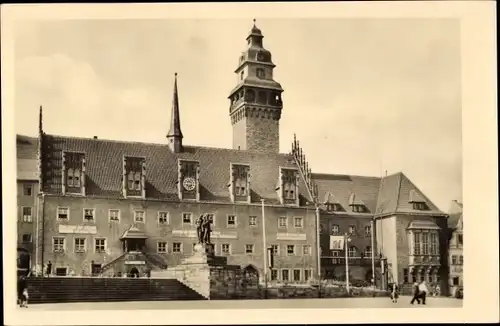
(174, 135)
(40, 120)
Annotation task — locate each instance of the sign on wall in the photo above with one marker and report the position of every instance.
(291, 236)
(78, 229)
(337, 242)
(213, 235)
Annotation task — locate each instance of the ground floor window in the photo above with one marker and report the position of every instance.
(456, 281)
(307, 274)
(284, 275)
(95, 269)
(61, 271)
(296, 275)
(274, 274)
(405, 275)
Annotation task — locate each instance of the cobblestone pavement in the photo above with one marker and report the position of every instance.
(404, 302)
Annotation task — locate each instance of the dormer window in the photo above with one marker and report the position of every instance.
(134, 176)
(334, 207)
(188, 180)
(420, 206)
(357, 205)
(288, 187)
(417, 200)
(239, 183)
(73, 173)
(359, 208)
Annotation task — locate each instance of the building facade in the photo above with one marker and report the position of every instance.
(27, 191)
(456, 256)
(128, 207)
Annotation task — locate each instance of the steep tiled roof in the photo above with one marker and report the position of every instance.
(341, 187)
(396, 193)
(104, 168)
(26, 153)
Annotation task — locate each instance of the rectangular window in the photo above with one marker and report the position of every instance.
(405, 275)
(285, 275)
(368, 230)
(58, 244)
(368, 252)
(240, 175)
(298, 222)
(306, 250)
(453, 260)
(187, 218)
(100, 245)
(282, 222)
(276, 249)
(460, 260)
(163, 218)
(296, 275)
(177, 247)
(28, 190)
(231, 221)
(63, 213)
(358, 208)
(335, 207)
(290, 250)
(114, 215)
(434, 243)
(61, 271)
(419, 206)
(352, 229)
(352, 252)
(425, 243)
(26, 238)
(460, 239)
(417, 241)
(80, 245)
(307, 274)
(274, 274)
(161, 247)
(249, 248)
(335, 229)
(456, 281)
(88, 214)
(226, 249)
(252, 220)
(139, 216)
(289, 184)
(27, 215)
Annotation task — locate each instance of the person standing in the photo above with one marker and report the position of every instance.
(394, 293)
(423, 290)
(438, 290)
(415, 294)
(49, 268)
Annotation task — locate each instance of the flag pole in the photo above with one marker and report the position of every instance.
(346, 264)
(264, 245)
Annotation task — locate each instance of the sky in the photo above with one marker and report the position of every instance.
(364, 96)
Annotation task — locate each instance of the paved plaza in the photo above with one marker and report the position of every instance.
(336, 303)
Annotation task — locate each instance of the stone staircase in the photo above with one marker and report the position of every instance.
(88, 289)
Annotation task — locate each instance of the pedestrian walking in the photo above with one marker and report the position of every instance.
(423, 290)
(394, 293)
(415, 294)
(22, 292)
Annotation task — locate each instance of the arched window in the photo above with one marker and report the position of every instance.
(262, 97)
(352, 252)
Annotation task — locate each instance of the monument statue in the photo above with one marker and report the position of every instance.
(207, 229)
(199, 228)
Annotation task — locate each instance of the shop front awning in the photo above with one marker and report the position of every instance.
(133, 233)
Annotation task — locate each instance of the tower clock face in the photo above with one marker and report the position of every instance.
(189, 184)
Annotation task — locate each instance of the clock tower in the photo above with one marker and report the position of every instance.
(256, 103)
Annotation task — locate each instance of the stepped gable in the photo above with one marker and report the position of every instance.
(342, 187)
(104, 168)
(26, 153)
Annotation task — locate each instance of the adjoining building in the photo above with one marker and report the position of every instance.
(456, 257)
(130, 207)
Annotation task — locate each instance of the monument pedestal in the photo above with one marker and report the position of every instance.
(194, 271)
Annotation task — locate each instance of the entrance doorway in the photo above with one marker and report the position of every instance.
(134, 273)
(251, 275)
(23, 261)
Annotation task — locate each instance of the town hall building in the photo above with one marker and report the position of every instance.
(121, 208)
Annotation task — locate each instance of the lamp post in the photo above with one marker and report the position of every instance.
(372, 228)
(346, 240)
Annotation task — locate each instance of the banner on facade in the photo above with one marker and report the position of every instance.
(337, 242)
(77, 229)
(214, 235)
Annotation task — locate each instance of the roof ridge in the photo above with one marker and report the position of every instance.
(345, 175)
(166, 145)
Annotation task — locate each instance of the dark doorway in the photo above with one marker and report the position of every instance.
(251, 275)
(23, 261)
(134, 272)
(95, 269)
